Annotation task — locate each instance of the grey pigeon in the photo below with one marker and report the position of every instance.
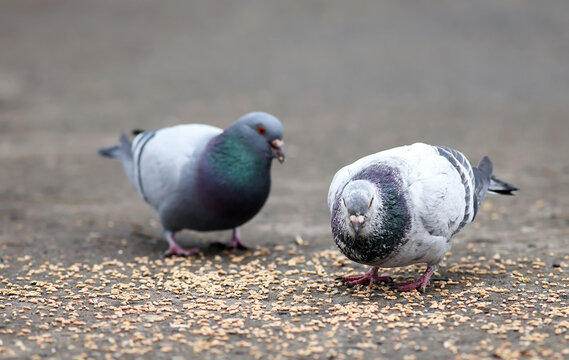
(201, 177)
(402, 206)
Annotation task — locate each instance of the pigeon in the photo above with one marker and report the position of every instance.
(401, 206)
(201, 177)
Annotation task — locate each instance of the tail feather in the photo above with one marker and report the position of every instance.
(500, 187)
(486, 182)
(126, 147)
(485, 166)
(482, 174)
(113, 152)
(121, 150)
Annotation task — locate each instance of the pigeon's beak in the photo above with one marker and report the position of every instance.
(277, 147)
(357, 222)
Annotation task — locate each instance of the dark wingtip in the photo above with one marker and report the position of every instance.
(106, 152)
(501, 187)
(137, 131)
(504, 192)
(110, 152)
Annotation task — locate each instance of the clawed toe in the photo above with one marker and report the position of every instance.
(179, 251)
(421, 283)
(371, 277)
(368, 278)
(175, 249)
(235, 242)
(411, 286)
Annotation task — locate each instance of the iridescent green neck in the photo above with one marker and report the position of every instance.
(234, 161)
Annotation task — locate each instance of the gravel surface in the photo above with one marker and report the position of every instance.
(81, 267)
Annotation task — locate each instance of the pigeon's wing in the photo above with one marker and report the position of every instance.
(160, 155)
(441, 185)
(437, 196)
(474, 186)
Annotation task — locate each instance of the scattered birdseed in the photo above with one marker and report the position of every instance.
(285, 302)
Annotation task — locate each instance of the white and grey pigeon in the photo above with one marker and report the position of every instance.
(201, 177)
(402, 206)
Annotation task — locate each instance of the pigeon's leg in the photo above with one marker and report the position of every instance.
(369, 278)
(174, 248)
(235, 241)
(421, 283)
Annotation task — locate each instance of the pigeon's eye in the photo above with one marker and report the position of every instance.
(261, 130)
(371, 202)
(344, 200)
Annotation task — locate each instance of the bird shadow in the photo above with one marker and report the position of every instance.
(206, 246)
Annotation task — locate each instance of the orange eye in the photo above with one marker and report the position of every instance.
(261, 130)
(371, 202)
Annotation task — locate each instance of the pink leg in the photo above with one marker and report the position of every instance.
(174, 248)
(235, 242)
(369, 278)
(421, 283)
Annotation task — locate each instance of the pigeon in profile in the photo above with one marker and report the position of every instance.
(402, 206)
(201, 177)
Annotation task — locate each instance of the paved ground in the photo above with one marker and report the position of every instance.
(81, 267)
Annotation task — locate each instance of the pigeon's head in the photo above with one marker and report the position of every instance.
(264, 132)
(361, 203)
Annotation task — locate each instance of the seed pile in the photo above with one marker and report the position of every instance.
(281, 302)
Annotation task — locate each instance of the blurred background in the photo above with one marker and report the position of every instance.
(346, 79)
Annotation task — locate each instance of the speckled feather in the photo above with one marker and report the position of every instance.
(228, 173)
(201, 177)
(423, 195)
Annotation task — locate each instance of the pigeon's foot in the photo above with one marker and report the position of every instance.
(235, 242)
(368, 278)
(419, 284)
(180, 251)
(175, 249)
